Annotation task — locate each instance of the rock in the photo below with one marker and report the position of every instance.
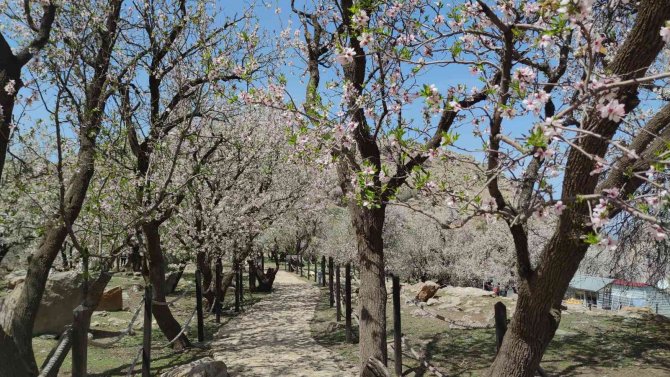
(206, 367)
(111, 300)
(95, 324)
(116, 322)
(427, 291)
(15, 278)
(467, 292)
(432, 301)
(137, 274)
(62, 294)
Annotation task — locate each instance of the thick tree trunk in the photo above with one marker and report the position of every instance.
(166, 321)
(368, 224)
(82, 322)
(204, 264)
(265, 279)
(12, 364)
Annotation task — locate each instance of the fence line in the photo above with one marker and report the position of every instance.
(132, 365)
(183, 328)
(169, 303)
(129, 330)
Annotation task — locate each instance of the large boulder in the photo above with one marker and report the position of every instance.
(15, 278)
(467, 292)
(206, 367)
(427, 291)
(63, 293)
(111, 300)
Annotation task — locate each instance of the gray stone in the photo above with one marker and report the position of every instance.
(63, 293)
(15, 278)
(206, 367)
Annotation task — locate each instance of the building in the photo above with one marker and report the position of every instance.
(618, 294)
(592, 290)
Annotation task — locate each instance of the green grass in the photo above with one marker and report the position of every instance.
(115, 361)
(584, 344)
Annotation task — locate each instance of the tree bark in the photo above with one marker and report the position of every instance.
(331, 291)
(368, 224)
(13, 364)
(166, 321)
(82, 322)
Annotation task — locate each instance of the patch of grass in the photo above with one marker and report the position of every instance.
(585, 344)
(116, 360)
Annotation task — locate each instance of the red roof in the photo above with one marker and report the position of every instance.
(629, 283)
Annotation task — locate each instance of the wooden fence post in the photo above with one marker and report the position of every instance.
(323, 271)
(338, 294)
(252, 276)
(237, 287)
(240, 276)
(79, 342)
(331, 290)
(397, 328)
(198, 305)
(347, 302)
(316, 269)
(500, 312)
(301, 263)
(217, 286)
(146, 341)
(308, 268)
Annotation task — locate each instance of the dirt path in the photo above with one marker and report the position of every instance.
(273, 337)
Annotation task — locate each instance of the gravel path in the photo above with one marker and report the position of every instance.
(273, 337)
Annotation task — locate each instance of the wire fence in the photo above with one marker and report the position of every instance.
(56, 356)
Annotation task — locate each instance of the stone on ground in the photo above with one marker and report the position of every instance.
(111, 300)
(206, 367)
(62, 294)
(427, 291)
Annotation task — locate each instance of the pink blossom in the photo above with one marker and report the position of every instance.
(365, 39)
(559, 207)
(542, 153)
(612, 193)
(608, 243)
(658, 233)
(346, 56)
(546, 41)
(360, 19)
(10, 87)
(613, 111)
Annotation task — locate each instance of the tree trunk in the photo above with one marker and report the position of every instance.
(331, 290)
(12, 363)
(204, 264)
(368, 224)
(82, 322)
(265, 279)
(166, 321)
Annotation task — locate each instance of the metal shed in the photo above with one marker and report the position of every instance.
(592, 290)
